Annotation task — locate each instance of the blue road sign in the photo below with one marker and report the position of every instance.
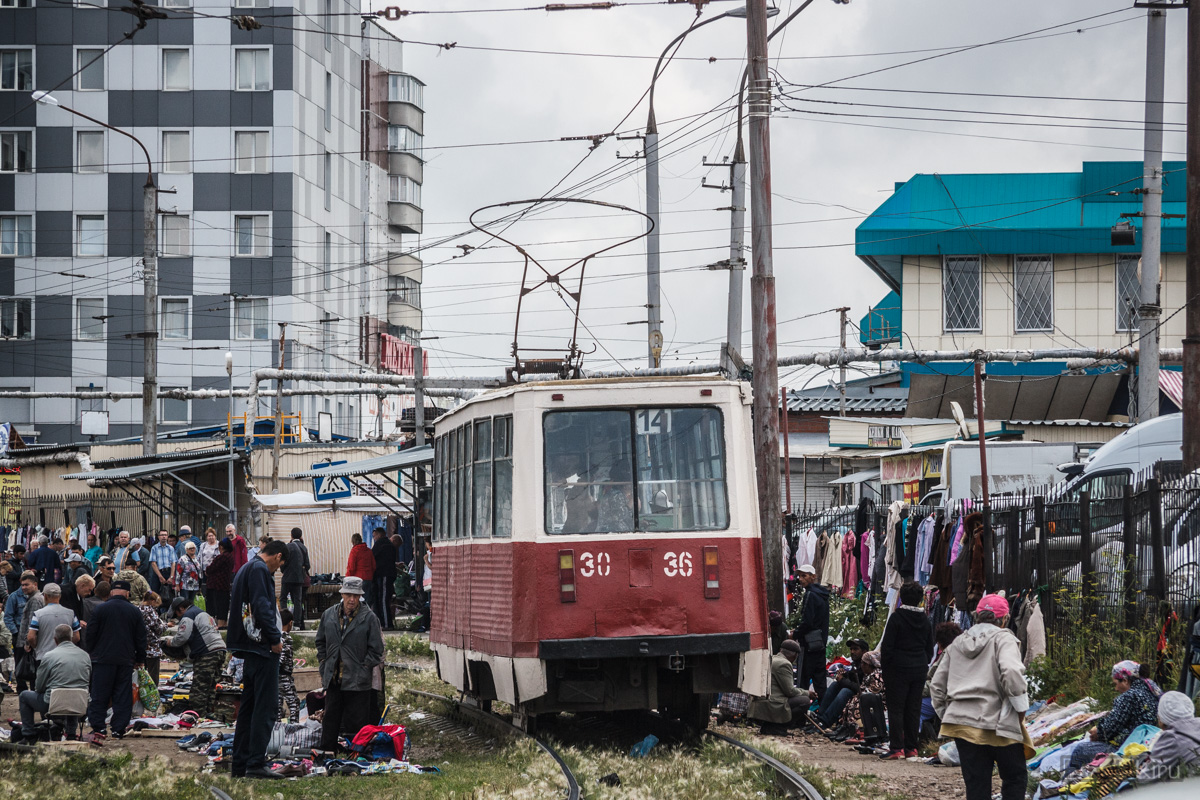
(331, 488)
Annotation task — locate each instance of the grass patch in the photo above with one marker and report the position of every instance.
(406, 645)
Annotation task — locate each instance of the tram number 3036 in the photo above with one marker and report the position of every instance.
(600, 564)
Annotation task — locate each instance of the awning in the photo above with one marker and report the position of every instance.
(1015, 396)
(413, 457)
(154, 470)
(1171, 383)
(857, 477)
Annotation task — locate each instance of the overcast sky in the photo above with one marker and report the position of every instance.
(828, 171)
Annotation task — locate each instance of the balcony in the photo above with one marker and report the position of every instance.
(401, 265)
(402, 313)
(404, 204)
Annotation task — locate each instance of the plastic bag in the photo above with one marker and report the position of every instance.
(948, 754)
(147, 692)
(199, 602)
(289, 739)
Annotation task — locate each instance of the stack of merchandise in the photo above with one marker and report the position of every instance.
(1054, 723)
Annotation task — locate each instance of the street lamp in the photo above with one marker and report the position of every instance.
(653, 264)
(231, 501)
(150, 270)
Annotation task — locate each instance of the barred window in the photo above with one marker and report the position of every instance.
(1033, 284)
(962, 282)
(1128, 293)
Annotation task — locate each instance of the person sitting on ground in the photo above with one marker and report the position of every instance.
(1176, 752)
(206, 649)
(907, 649)
(839, 694)
(786, 702)
(64, 667)
(980, 693)
(866, 708)
(1136, 704)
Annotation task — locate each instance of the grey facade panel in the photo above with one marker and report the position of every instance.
(7, 278)
(212, 108)
(251, 109)
(283, 233)
(48, 354)
(251, 276)
(210, 318)
(124, 346)
(281, 276)
(250, 193)
(283, 191)
(199, 109)
(52, 66)
(54, 26)
(56, 433)
(282, 69)
(174, 276)
(175, 109)
(52, 234)
(21, 27)
(210, 191)
(8, 192)
(210, 412)
(53, 150)
(175, 31)
(16, 107)
(88, 26)
(120, 108)
(126, 193)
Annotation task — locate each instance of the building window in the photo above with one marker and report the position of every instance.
(174, 323)
(176, 151)
(328, 101)
(406, 89)
(174, 411)
(176, 70)
(16, 235)
(962, 283)
(16, 318)
(16, 4)
(89, 318)
(405, 140)
(89, 64)
(250, 316)
(327, 179)
(175, 235)
(89, 151)
(405, 290)
(16, 151)
(250, 235)
(250, 151)
(1129, 289)
(253, 70)
(17, 410)
(90, 235)
(328, 22)
(175, 3)
(327, 272)
(1033, 284)
(404, 190)
(16, 70)
(326, 343)
(252, 4)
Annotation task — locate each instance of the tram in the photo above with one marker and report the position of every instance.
(596, 547)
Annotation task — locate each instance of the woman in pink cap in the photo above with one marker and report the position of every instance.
(979, 691)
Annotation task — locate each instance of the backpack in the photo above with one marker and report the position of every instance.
(381, 742)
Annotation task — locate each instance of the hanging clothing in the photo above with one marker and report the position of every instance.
(908, 540)
(1035, 633)
(818, 561)
(806, 548)
(866, 557)
(831, 573)
(939, 574)
(956, 542)
(849, 565)
(894, 544)
(925, 537)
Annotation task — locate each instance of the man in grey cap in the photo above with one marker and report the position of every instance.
(786, 703)
(349, 651)
(41, 627)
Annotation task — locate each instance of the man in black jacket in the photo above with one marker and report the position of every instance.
(254, 634)
(295, 575)
(813, 631)
(116, 641)
(385, 578)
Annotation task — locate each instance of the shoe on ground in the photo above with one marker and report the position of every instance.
(893, 755)
(912, 755)
(263, 772)
(815, 719)
(96, 739)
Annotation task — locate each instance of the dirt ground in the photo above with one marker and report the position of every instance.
(905, 778)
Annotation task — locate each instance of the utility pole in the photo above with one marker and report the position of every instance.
(787, 453)
(232, 501)
(1149, 309)
(279, 410)
(737, 255)
(979, 420)
(1191, 339)
(762, 300)
(654, 341)
(150, 312)
(842, 366)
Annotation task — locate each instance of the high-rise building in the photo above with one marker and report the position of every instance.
(289, 162)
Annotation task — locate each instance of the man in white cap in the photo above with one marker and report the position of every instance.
(1177, 749)
(812, 633)
(349, 651)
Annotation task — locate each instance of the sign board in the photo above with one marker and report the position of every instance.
(94, 423)
(324, 426)
(888, 436)
(10, 496)
(398, 356)
(331, 488)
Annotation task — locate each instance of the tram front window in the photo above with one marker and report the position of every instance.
(645, 469)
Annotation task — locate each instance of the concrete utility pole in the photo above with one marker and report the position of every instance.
(231, 494)
(1149, 309)
(762, 302)
(279, 410)
(150, 313)
(419, 394)
(737, 254)
(1191, 339)
(654, 341)
(842, 366)
(980, 415)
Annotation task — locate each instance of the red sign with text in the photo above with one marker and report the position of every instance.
(397, 356)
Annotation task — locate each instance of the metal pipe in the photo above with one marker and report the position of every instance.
(1149, 309)
(1191, 339)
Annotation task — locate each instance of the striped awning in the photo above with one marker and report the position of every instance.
(1171, 383)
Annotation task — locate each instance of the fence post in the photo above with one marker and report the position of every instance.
(1158, 581)
(1129, 557)
(1043, 553)
(1086, 564)
(1012, 547)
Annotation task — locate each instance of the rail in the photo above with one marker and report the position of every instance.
(498, 724)
(788, 780)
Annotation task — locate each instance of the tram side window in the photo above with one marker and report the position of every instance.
(466, 439)
(482, 480)
(645, 469)
(502, 475)
(452, 489)
(439, 489)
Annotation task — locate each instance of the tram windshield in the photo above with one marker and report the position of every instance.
(639, 469)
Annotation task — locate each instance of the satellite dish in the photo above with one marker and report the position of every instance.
(957, 411)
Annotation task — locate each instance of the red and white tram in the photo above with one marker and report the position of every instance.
(596, 547)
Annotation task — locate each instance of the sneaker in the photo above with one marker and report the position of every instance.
(893, 755)
(815, 719)
(912, 755)
(96, 739)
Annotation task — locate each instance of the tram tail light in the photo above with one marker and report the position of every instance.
(712, 581)
(566, 576)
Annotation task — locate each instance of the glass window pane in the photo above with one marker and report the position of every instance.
(1033, 280)
(1128, 293)
(174, 319)
(680, 469)
(176, 235)
(177, 70)
(177, 151)
(589, 482)
(16, 235)
(91, 235)
(89, 313)
(90, 64)
(244, 69)
(91, 151)
(262, 70)
(961, 285)
(16, 151)
(16, 319)
(173, 410)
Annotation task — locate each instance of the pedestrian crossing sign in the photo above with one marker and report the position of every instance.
(332, 487)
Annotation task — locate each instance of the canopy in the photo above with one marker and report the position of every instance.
(413, 457)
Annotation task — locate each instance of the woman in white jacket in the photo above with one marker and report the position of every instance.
(979, 691)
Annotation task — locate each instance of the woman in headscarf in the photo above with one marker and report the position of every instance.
(1136, 704)
(865, 709)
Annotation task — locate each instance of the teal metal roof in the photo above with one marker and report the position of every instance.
(413, 457)
(1034, 213)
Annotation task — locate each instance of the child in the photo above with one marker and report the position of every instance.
(287, 684)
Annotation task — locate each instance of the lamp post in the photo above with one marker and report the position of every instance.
(231, 502)
(150, 271)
